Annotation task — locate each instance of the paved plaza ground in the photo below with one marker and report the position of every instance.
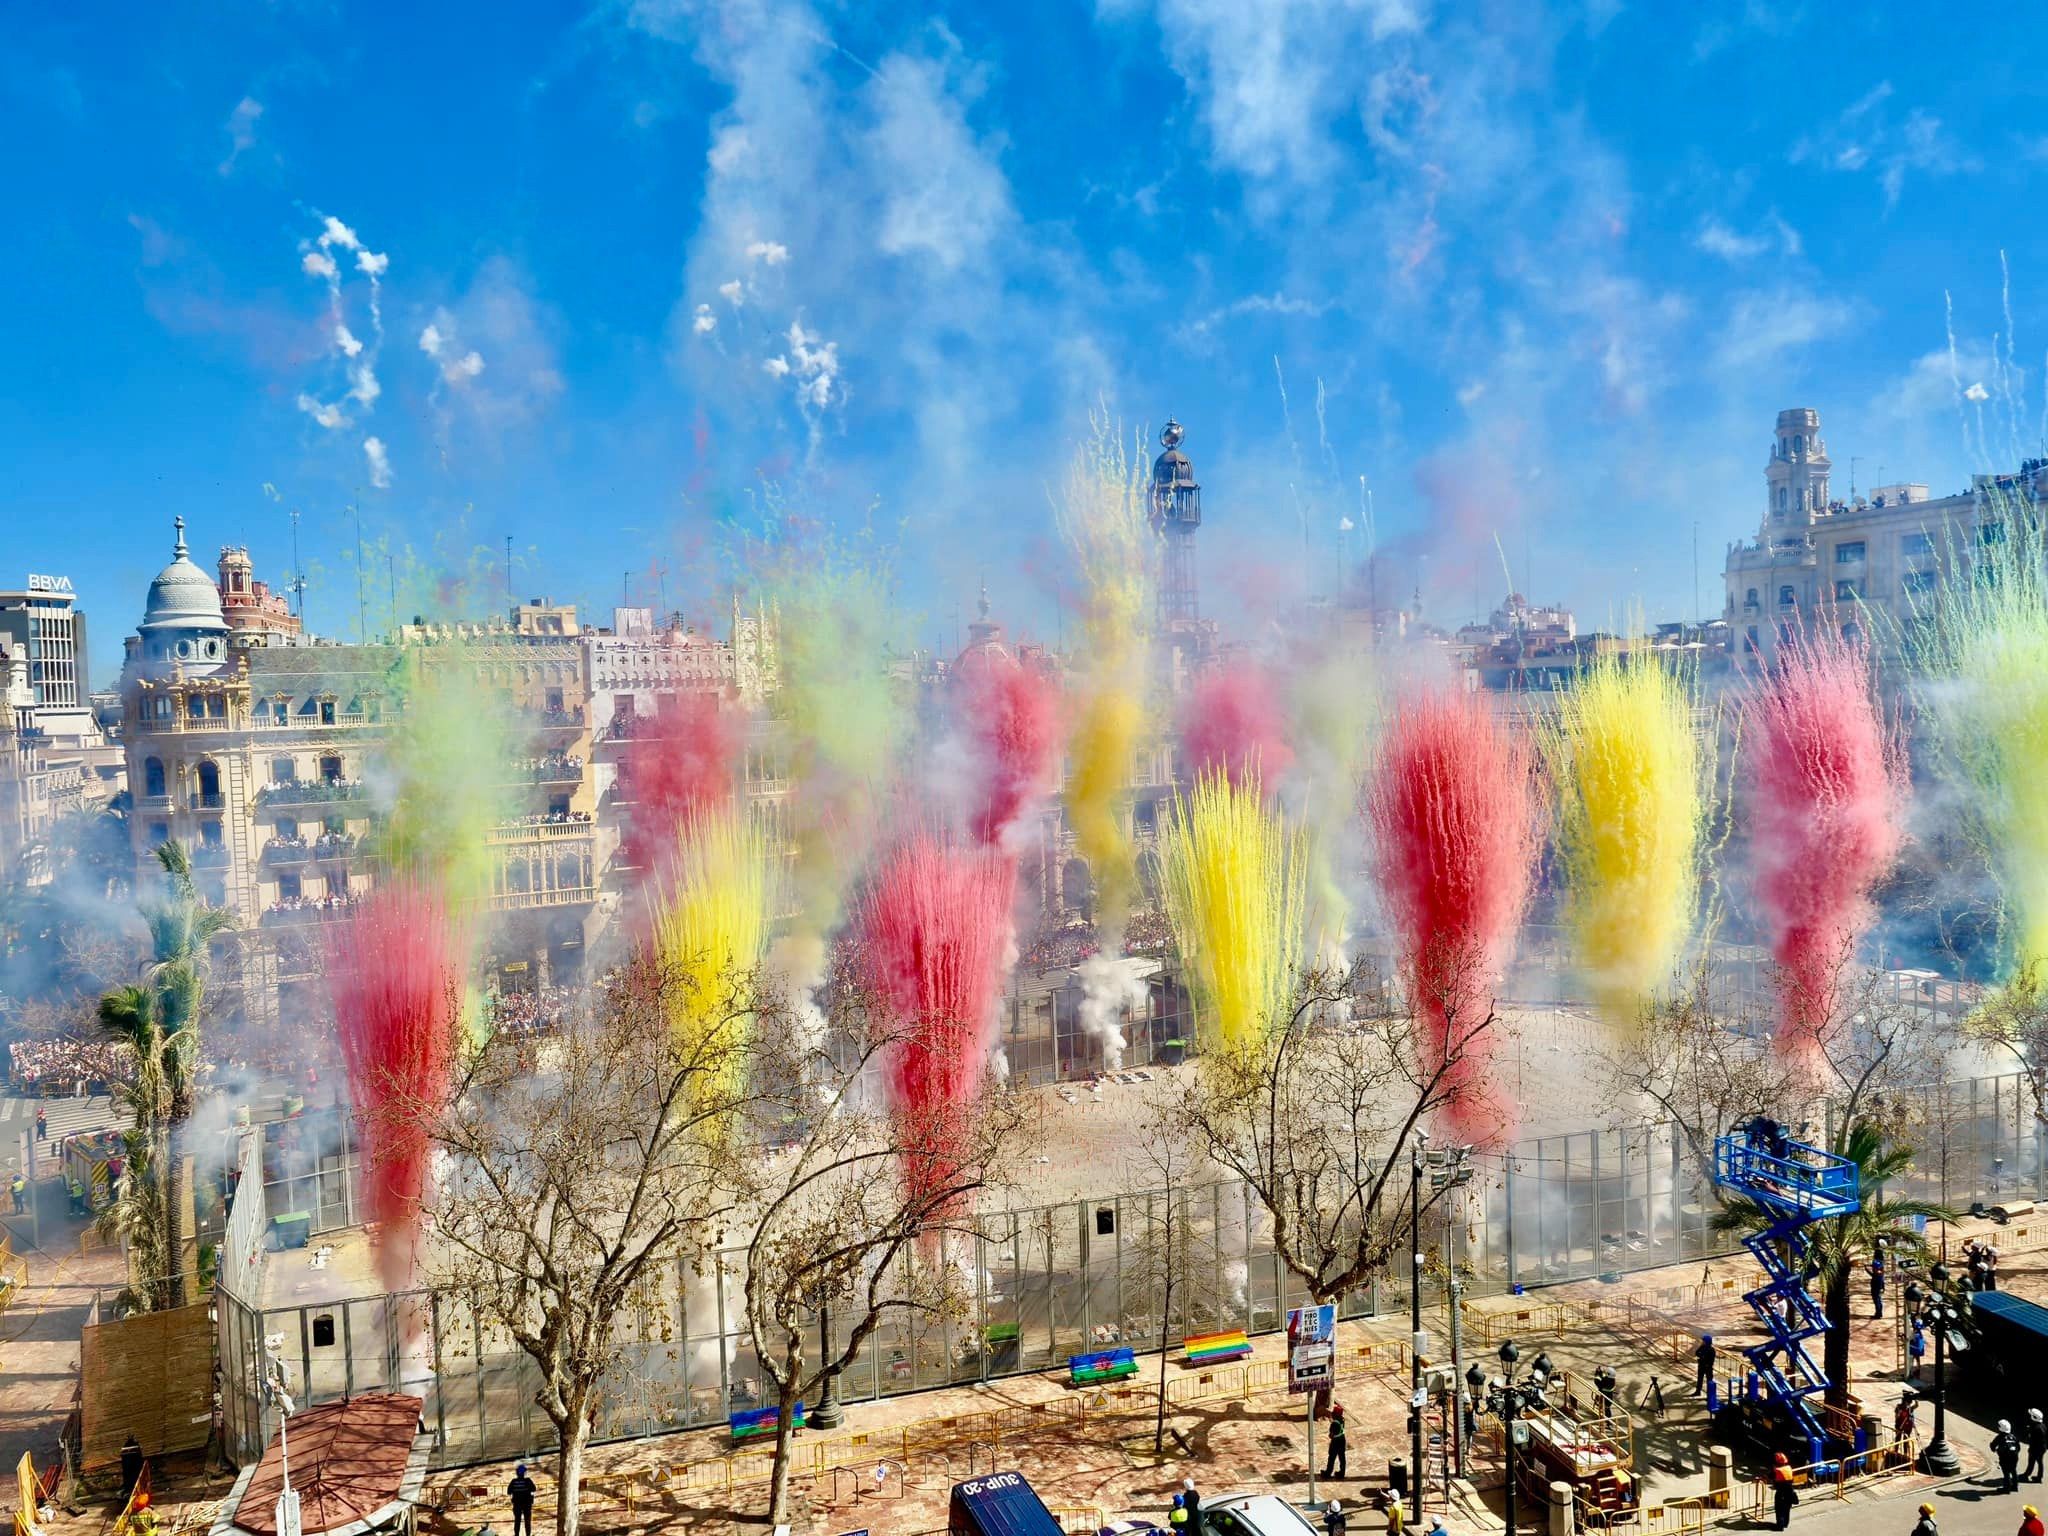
(1090, 1454)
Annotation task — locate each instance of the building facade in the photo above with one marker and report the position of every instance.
(1859, 565)
(41, 623)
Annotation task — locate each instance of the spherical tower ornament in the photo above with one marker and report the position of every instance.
(1171, 434)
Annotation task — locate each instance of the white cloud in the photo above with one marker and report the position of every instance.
(430, 339)
(776, 367)
(731, 292)
(379, 461)
(373, 262)
(1977, 391)
(1717, 239)
(945, 196)
(329, 416)
(1761, 326)
(769, 253)
(241, 131)
(495, 366)
(705, 322)
(345, 339)
(1865, 136)
(317, 264)
(333, 232)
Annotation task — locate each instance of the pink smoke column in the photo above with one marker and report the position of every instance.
(1454, 813)
(1233, 722)
(680, 761)
(1011, 714)
(1827, 782)
(395, 974)
(935, 931)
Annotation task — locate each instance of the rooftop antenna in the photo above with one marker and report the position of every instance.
(391, 588)
(508, 568)
(361, 612)
(1854, 459)
(298, 573)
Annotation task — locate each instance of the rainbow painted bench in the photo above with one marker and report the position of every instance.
(1215, 1348)
(749, 1422)
(1099, 1366)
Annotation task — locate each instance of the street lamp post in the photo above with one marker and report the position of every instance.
(1415, 1457)
(1510, 1399)
(1450, 1168)
(829, 1414)
(1942, 1315)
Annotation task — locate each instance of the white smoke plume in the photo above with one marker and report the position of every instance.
(380, 462)
(1110, 987)
(358, 357)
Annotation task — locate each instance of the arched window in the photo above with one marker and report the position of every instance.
(283, 770)
(153, 776)
(1798, 445)
(1787, 596)
(195, 707)
(1751, 600)
(1781, 498)
(209, 781)
(330, 769)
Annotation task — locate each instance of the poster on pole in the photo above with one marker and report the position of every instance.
(1311, 1348)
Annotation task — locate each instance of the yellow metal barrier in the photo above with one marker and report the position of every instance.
(1080, 1519)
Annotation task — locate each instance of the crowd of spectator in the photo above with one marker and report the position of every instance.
(550, 765)
(535, 1013)
(64, 1061)
(548, 819)
(289, 908)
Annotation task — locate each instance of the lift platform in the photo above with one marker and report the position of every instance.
(1796, 1185)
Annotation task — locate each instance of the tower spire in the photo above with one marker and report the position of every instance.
(179, 553)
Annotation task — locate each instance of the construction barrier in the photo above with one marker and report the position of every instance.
(1753, 1497)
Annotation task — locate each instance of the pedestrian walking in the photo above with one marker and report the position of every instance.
(1783, 1494)
(1333, 1464)
(1334, 1519)
(1397, 1516)
(1916, 1350)
(42, 1125)
(521, 1490)
(2030, 1521)
(2005, 1445)
(1703, 1364)
(1877, 1284)
(1902, 1417)
(2035, 1434)
(1925, 1526)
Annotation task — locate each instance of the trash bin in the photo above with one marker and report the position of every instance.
(1397, 1477)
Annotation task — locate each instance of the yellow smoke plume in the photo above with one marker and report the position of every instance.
(710, 924)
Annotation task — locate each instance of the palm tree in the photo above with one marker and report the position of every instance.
(1837, 1244)
(158, 1019)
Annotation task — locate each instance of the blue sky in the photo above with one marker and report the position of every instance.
(636, 266)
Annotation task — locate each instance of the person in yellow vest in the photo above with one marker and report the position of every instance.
(18, 1187)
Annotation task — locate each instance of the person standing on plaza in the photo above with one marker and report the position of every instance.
(1333, 1519)
(1783, 1494)
(2005, 1445)
(1877, 1284)
(521, 1491)
(2034, 1432)
(1925, 1526)
(1194, 1504)
(18, 1187)
(2030, 1521)
(42, 1124)
(1333, 1464)
(1916, 1350)
(1703, 1359)
(1177, 1517)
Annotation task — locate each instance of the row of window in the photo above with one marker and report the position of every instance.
(283, 770)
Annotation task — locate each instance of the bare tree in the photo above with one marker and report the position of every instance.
(1321, 1115)
(1159, 1259)
(577, 1164)
(858, 1216)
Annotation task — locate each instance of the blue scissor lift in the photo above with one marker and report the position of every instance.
(1798, 1185)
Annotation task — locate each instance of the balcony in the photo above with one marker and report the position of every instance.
(542, 829)
(300, 850)
(207, 800)
(566, 719)
(211, 856)
(553, 768)
(343, 719)
(309, 792)
(307, 909)
(520, 901)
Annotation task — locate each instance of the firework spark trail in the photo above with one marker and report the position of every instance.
(1628, 769)
(710, 926)
(1457, 827)
(936, 938)
(395, 972)
(1012, 719)
(1981, 645)
(1103, 514)
(680, 763)
(1234, 878)
(1233, 723)
(1826, 782)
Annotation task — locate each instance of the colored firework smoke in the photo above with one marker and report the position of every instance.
(1332, 709)
(441, 773)
(395, 972)
(1453, 809)
(710, 923)
(1982, 645)
(1627, 764)
(679, 763)
(1826, 782)
(1103, 514)
(1233, 723)
(1234, 877)
(935, 930)
(1012, 719)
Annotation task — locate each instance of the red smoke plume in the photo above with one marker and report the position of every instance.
(1454, 814)
(1233, 722)
(1012, 720)
(680, 761)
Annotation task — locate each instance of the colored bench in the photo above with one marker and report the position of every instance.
(1099, 1366)
(1216, 1348)
(749, 1422)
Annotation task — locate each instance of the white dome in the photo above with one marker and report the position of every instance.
(182, 620)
